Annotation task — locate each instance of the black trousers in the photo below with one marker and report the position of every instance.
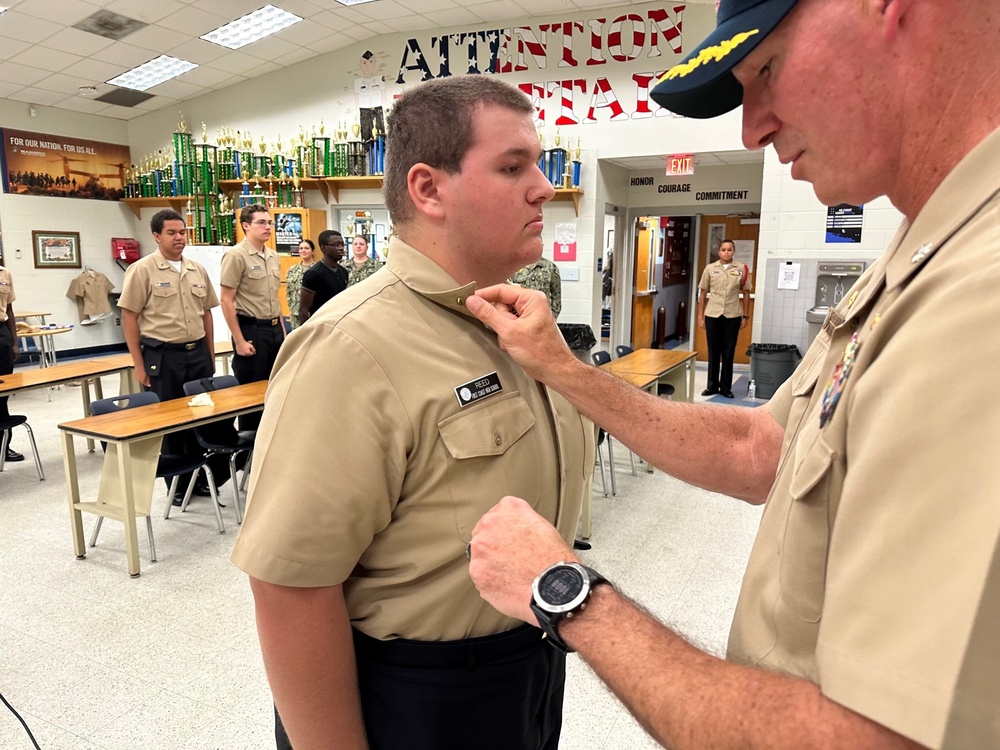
(172, 370)
(6, 363)
(266, 340)
(499, 692)
(721, 334)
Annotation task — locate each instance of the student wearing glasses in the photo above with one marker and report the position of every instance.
(326, 279)
(249, 279)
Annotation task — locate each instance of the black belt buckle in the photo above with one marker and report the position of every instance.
(190, 346)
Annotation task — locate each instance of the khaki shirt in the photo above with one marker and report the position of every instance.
(723, 286)
(876, 569)
(6, 292)
(171, 305)
(369, 472)
(255, 277)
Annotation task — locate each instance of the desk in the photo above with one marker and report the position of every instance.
(46, 347)
(84, 371)
(129, 472)
(32, 314)
(664, 364)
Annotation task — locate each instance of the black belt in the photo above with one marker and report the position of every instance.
(259, 321)
(188, 347)
(447, 654)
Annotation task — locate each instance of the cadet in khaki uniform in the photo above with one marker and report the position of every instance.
(8, 346)
(371, 570)
(723, 316)
(166, 306)
(250, 277)
(542, 275)
(869, 611)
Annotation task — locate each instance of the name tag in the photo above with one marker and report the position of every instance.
(255, 267)
(198, 286)
(162, 284)
(478, 389)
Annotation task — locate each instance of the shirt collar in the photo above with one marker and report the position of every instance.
(427, 278)
(162, 262)
(966, 189)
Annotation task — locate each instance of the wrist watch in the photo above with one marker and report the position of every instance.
(561, 591)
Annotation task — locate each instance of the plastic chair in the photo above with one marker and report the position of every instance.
(621, 350)
(168, 466)
(601, 358)
(222, 438)
(6, 424)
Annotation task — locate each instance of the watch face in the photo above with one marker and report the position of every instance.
(560, 586)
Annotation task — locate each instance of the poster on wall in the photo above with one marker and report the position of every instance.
(54, 165)
(287, 232)
(564, 248)
(843, 223)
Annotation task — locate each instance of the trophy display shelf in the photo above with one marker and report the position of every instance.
(176, 202)
(569, 194)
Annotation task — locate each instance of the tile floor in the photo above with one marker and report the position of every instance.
(92, 659)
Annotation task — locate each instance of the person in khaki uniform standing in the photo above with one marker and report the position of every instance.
(250, 277)
(166, 306)
(723, 311)
(8, 347)
(870, 608)
(372, 632)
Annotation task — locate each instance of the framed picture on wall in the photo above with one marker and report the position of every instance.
(56, 249)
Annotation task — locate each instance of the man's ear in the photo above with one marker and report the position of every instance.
(424, 183)
(894, 15)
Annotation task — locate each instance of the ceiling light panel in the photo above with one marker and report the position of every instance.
(349, 3)
(251, 27)
(149, 74)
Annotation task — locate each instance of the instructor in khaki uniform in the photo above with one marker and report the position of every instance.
(166, 306)
(250, 277)
(870, 609)
(368, 621)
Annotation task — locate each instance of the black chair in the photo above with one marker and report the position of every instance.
(222, 438)
(621, 350)
(6, 424)
(168, 466)
(601, 358)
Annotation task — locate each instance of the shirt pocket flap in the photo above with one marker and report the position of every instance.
(814, 465)
(489, 430)
(807, 373)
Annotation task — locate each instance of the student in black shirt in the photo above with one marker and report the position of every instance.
(326, 279)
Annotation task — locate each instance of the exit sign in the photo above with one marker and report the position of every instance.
(680, 164)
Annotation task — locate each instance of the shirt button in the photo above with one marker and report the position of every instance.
(497, 439)
(461, 301)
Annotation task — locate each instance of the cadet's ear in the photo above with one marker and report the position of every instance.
(894, 14)
(423, 182)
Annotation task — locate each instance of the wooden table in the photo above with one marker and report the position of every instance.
(85, 371)
(129, 472)
(32, 314)
(665, 364)
(46, 347)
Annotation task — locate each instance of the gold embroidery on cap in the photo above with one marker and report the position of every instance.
(715, 53)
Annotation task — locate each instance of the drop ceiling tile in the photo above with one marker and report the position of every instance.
(302, 8)
(207, 76)
(192, 21)
(429, 6)
(198, 51)
(145, 10)
(78, 42)
(233, 9)
(357, 32)
(65, 84)
(236, 62)
(124, 54)
(269, 49)
(95, 70)
(496, 10)
(155, 37)
(12, 47)
(304, 33)
(456, 17)
(413, 23)
(81, 104)
(157, 102)
(302, 53)
(47, 59)
(33, 95)
(334, 41)
(25, 27)
(177, 88)
(7, 88)
(339, 18)
(383, 9)
(120, 113)
(21, 74)
(69, 12)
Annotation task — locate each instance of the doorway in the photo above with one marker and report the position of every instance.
(745, 233)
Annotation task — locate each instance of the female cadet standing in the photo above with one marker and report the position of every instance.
(293, 280)
(723, 318)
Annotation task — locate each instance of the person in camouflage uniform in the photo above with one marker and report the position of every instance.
(542, 275)
(359, 266)
(293, 280)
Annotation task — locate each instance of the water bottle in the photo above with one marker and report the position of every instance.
(752, 390)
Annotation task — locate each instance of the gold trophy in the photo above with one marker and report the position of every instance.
(182, 126)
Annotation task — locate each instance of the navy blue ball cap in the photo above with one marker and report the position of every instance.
(703, 85)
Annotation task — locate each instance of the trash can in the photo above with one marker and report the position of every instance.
(771, 365)
(580, 338)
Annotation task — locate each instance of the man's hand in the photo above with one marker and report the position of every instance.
(245, 348)
(141, 377)
(511, 545)
(701, 321)
(524, 326)
(743, 323)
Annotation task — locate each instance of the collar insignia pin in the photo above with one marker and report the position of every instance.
(921, 252)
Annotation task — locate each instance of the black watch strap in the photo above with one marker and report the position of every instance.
(549, 621)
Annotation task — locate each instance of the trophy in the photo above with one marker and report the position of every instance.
(298, 191)
(577, 165)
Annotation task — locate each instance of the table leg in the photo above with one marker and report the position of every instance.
(125, 482)
(73, 494)
(690, 381)
(85, 393)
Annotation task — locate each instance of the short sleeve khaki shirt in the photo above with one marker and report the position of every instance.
(6, 292)
(393, 421)
(723, 286)
(171, 304)
(256, 277)
(876, 569)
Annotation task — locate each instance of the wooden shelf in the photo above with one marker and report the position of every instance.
(137, 204)
(569, 194)
(328, 186)
(306, 183)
